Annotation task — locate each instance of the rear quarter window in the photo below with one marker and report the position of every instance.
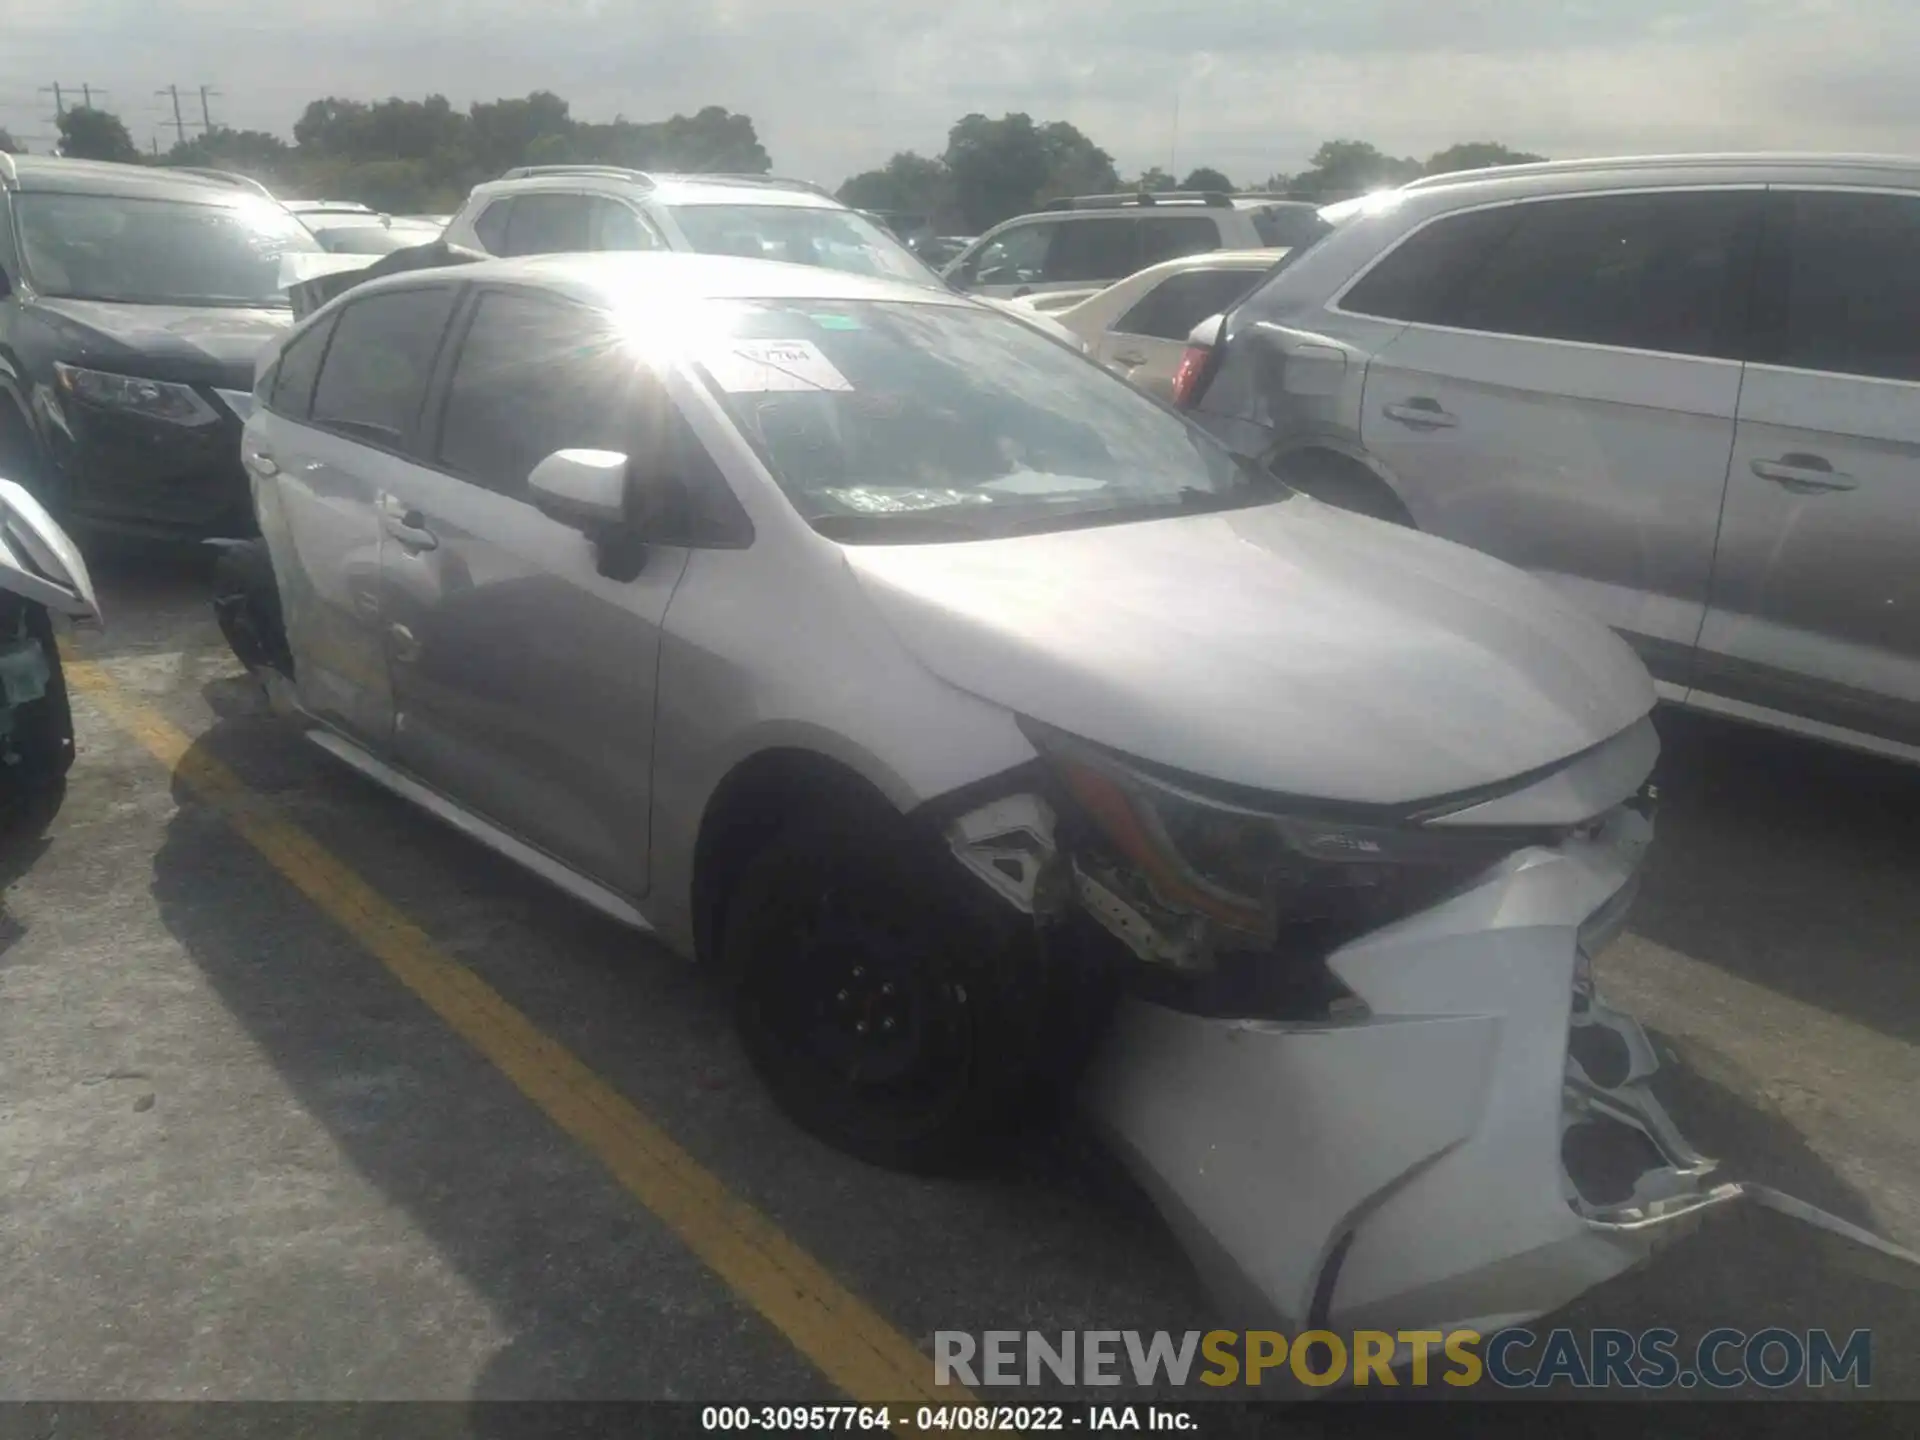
(289, 390)
(490, 226)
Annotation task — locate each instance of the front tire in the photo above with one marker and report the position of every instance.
(878, 1010)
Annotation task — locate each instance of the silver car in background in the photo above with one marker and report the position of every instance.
(1683, 390)
(975, 716)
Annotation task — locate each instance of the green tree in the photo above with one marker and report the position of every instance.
(1009, 166)
(1075, 165)
(90, 134)
(1341, 168)
(9, 145)
(1206, 178)
(500, 132)
(255, 153)
(1154, 178)
(913, 184)
(1476, 155)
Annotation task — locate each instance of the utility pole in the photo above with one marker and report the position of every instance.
(179, 125)
(206, 115)
(59, 102)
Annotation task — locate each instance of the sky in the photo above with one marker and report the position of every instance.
(1247, 86)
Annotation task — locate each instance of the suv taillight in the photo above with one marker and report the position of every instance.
(1190, 379)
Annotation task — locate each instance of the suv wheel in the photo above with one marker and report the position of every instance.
(867, 998)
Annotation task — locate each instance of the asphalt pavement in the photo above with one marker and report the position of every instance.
(303, 1096)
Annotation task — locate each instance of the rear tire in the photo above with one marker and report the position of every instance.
(880, 1013)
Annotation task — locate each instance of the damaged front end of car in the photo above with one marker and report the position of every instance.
(1359, 1063)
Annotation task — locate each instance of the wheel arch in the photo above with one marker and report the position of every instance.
(753, 802)
(1339, 460)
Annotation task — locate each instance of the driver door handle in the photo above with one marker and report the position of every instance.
(261, 463)
(1804, 474)
(1420, 413)
(406, 525)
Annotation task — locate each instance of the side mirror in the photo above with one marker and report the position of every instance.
(586, 489)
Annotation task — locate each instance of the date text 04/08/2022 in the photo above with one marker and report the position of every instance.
(971, 1419)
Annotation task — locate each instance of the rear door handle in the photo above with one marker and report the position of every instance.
(1804, 474)
(1132, 357)
(1421, 414)
(261, 463)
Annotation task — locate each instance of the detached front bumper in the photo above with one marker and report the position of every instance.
(1476, 1147)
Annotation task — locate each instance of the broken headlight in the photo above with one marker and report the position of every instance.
(1262, 873)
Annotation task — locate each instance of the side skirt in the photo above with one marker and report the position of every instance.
(563, 877)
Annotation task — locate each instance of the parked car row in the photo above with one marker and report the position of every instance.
(982, 723)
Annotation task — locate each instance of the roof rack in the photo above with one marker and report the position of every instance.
(529, 172)
(223, 177)
(1665, 162)
(1213, 199)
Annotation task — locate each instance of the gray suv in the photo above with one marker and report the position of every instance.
(1683, 390)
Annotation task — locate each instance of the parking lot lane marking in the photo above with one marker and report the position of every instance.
(844, 1337)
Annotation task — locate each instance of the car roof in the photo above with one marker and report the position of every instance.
(43, 173)
(619, 278)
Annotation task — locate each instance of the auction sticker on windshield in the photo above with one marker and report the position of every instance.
(754, 367)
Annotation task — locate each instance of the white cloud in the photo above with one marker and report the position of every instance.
(837, 87)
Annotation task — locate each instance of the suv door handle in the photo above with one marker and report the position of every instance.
(1420, 413)
(406, 525)
(261, 463)
(1131, 357)
(1804, 474)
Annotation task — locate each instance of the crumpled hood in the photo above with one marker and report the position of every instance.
(1291, 647)
(210, 345)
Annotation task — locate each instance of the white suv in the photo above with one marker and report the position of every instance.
(551, 209)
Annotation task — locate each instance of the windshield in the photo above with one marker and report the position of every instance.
(896, 422)
(157, 252)
(801, 235)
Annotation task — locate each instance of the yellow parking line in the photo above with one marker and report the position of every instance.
(870, 1361)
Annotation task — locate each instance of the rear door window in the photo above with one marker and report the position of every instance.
(1168, 237)
(376, 370)
(1093, 251)
(549, 223)
(1173, 307)
(1665, 272)
(1850, 301)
